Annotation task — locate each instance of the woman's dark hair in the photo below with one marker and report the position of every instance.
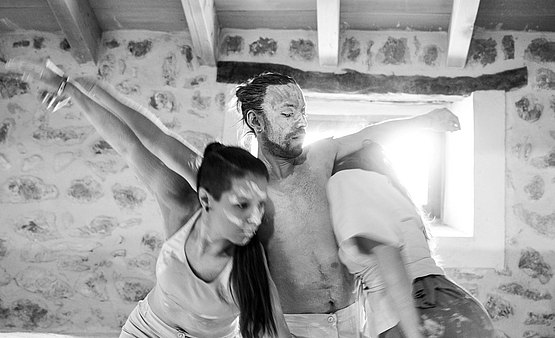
(249, 281)
(251, 94)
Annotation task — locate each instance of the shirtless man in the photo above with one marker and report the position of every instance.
(315, 289)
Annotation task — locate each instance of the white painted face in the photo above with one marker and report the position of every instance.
(242, 207)
(285, 120)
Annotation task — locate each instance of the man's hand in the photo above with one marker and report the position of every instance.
(440, 120)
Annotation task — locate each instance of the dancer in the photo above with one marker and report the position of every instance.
(383, 241)
(211, 276)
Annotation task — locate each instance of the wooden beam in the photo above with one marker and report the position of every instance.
(359, 83)
(203, 27)
(78, 22)
(328, 32)
(461, 28)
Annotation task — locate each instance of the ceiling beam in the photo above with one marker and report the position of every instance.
(461, 28)
(203, 27)
(78, 22)
(328, 32)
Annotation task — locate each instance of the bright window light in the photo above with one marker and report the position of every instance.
(410, 154)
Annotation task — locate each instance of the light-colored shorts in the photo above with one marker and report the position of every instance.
(344, 323)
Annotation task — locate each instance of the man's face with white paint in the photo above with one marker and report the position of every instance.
(284, 120)
(241, 208)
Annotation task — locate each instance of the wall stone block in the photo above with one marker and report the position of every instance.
(25, 314)
(302, 49)
(127, 87)
(163, 101)
(128, 197)
(529, 109)
(540, 50)
(498, 308)
(93, 285)
(73, 263)
(430, 55)
(483, 51)
(540, 319)
(187, 53)
(543, 224)
(263, 46)
(508, 44)
(545, 161)
(152, 241)
(38, 226)
(519, 290)
(42, 281)
(133, 289)
(394, 52)
(536, 188)
(26, 189)
(170, 70)
(12, 85)
(85, 190)
(200, 102)
(139, 48)
(545, 78)
(533, 264)
(522, 150)
(232, 45)
(66, 136)
(350, 50)
(6, 128)
(144, 263)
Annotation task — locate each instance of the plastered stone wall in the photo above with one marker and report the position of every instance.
(79, 234)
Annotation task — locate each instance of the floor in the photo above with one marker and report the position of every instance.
(54, 335)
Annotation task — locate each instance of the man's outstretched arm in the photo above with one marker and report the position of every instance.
(439, 120)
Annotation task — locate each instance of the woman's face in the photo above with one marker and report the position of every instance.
(240, 209)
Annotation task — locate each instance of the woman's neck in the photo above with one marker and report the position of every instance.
(206, 241)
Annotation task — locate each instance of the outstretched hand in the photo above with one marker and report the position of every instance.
(44, 72)
(441, 119)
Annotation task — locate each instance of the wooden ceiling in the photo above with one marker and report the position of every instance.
(83, 21)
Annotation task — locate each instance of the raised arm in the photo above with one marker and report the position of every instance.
(176, 197)
(439, 120)
(175, 153)
(161, 142)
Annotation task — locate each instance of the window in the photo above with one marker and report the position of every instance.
(459, 177)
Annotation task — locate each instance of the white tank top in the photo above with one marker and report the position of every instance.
(182, 299)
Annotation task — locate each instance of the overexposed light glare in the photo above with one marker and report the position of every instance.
(410, 155)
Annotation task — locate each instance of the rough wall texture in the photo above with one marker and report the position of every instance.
(79, 234)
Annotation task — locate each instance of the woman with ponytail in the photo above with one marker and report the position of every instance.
(212, 279)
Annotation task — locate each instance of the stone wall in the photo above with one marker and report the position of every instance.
(79, 234)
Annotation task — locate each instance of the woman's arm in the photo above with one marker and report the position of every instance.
(397, 281)
(176, 197)
(165, 145)
(147, 128)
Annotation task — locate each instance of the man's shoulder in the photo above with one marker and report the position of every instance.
(326, 146)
